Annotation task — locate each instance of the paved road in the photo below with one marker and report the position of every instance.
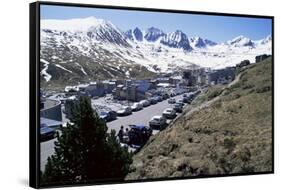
(46, 150)
(141, 117)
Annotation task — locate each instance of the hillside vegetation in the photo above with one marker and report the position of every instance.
(233, 134)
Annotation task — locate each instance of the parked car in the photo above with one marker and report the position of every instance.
(46, 133)
(169, 113)
(157, 121)
(103, 115)
(172, 101)
(138, 134)
(180, 102)
(126, 110)
(165, 96)
(108, 115)
(172, 94)
(145, 103)
(192, 96)
(178, 107)
(159, 98)
(186, 100)
(153, 100)
(136, 107)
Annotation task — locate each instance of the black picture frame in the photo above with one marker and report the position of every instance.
(34, 90)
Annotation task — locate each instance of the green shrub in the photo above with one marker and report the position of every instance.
(263, 89)
(214, 93)
(229, 144)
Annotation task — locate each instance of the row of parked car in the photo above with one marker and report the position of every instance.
(139, 134)
(137, 106)
(157, 122)
(160, 121)
(127, 110)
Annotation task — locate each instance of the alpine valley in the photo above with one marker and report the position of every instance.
(81, 50)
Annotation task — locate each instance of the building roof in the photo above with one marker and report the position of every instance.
(72, 98)
(179, 77)
(69, 88)
(45, 130)
(120, 86)
(49, 103)
(163, 85)
(82, 85)
(49, 122)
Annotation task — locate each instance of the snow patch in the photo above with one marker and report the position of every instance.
(43, 72)
(127, 73)
(81, 68)
(61, 67)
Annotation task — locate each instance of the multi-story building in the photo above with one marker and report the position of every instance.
(195, 76)
(260, 58)
(221, 76)
(133, 90)
(109, 86)
(95, 89)
(51, 109)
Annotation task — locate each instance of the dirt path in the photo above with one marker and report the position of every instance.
(237, 78)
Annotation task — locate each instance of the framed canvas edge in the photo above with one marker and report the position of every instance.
(34, 93)
(34, 118)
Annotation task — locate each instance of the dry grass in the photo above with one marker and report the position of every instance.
(208, 94)
(232, 135)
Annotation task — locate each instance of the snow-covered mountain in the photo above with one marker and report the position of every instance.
(241, 41)
(197, 42)
(135, 35)
(152, 34)
(80, 50)
(96, 29)
(176, 39)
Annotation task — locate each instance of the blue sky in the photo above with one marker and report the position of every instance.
(216, 28)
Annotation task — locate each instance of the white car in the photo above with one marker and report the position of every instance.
(157, 121)
(126, 110)
(136, 107)
(145, 103)
(172, 101)
(169, 113)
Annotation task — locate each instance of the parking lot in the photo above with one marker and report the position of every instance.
(140, 117)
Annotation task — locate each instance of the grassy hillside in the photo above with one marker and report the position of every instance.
(233, 134)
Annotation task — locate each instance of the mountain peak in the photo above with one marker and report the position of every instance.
(268, 38)
(199, 42)
(177, 36)
(137, 29)
(176, 39)
(240, 41)
(153, 34)
(138, 34)
(265, 40)
(195, 38)
(178, 31)
(73, 25)
(152, 28)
